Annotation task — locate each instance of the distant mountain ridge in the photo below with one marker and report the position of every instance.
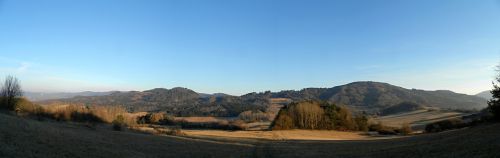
(180, 101)
(371, 97)
(39, 96)
(485, 94)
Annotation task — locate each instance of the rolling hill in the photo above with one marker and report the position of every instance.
(376, 96)
(485, 95)
(40, 96)
(371, 97)
(179, 101)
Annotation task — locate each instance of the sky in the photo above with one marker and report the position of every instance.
(242, 46)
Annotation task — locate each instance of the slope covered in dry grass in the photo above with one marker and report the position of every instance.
(29, 138)
(295, 134)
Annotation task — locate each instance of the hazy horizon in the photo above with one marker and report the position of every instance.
(237, 47)
(233, 94)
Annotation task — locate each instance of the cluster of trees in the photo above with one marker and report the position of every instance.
(255, 116)
(162, 118)
(318, 115)
(156, 118)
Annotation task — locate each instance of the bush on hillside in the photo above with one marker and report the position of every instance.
(380, 128)
(222, 125)
(118, 123)
(444, 125)
(160, 118)
(254, 116)
(283, 121)
(344, 120)
(405, 129)
(362, 123)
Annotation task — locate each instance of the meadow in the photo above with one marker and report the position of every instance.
(20, 137)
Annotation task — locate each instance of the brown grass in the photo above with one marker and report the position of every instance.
(77, 113)
(28, 138)
(281, 134)
(199, 119)
(416, 119)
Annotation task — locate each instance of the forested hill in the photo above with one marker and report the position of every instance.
(376, 95)
(372, 97)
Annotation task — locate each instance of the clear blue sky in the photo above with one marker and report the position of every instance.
(238, 46)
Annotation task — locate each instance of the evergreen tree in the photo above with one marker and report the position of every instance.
(494, 103)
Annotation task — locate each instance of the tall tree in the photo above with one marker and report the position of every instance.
(494, 103)
(10, 91)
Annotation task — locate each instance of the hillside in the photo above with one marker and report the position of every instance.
(401, 108)
(371, 97)
(29, 138)
(39, 96)
(485, 95)
(179, 101)
(376, 96)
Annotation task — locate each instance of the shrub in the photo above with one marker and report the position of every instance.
(118, 123)
(25, 106)
(444, 125)
(84, 117)
(382, 129)
(376, 127)
(387, 131)
(237, 125)
(343, 120)
(156, 118)
(283, 121)
(223, 125)
(254, 116)
(361, 123)
(405, 129)
(174, 131)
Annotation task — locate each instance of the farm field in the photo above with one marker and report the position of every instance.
(417, 119)
(29, 138)
(280, 134)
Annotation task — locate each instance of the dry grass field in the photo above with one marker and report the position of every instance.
(203, 119)
(21, 137)
(280, 134)
(417, 119)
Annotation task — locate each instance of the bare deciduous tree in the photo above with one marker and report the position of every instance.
(10, 91)
(307, 115)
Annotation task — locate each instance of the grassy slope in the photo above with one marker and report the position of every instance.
(483, 141)
(29, 138)
(418, 119)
